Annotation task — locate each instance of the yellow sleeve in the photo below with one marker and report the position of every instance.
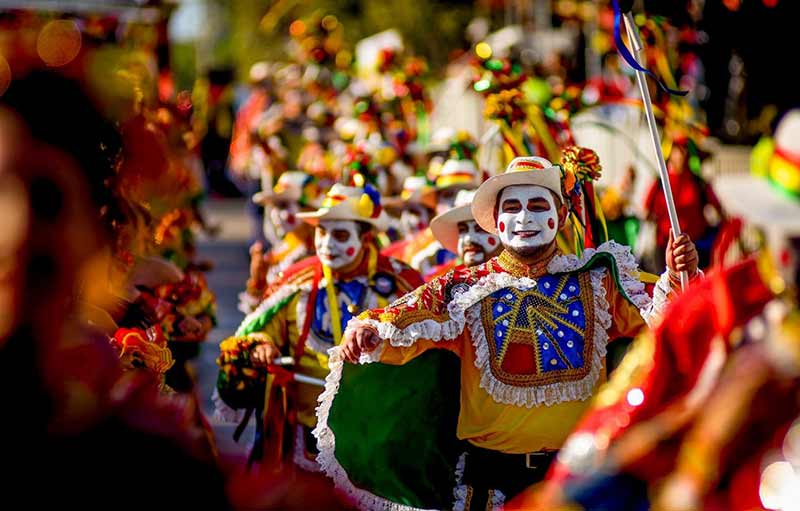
(275, 330)
(399, 355)
(626, 319)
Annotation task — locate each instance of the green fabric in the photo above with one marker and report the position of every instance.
(624, 231)
(605, 260)
(258, 324)
(395, 428)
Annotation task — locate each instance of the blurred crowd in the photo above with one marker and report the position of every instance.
(364, 203)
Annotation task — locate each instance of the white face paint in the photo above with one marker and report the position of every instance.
(338, 242)
(414, 218)
(283, 216)
(476, 246)
(527, 218)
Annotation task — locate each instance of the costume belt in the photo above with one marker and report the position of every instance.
(489, 459)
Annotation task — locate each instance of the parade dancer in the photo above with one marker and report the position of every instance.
(304, 314)
(293, 239)
(530, 327)
(459, 233)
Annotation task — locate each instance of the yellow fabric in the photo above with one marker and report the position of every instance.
(508, 428)
(282, 329)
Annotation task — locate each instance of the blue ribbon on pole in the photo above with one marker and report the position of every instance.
(628, 57)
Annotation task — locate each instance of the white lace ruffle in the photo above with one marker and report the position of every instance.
(552, 393)
(224, 414)
(460, 491)
(247, 302)
(326, 443)
(453, 327)
(274, 271)
(299, 457)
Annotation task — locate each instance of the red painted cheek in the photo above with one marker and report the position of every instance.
(551, 223)
(502, 227)
(492, 242)
(351, 252)
(785, 258)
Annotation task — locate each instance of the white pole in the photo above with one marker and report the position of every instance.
(309, 380)
(641, 79)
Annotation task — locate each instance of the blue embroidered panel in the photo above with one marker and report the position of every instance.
(349, 293)
(549, 320)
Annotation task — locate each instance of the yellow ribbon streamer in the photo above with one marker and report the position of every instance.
(333, 305)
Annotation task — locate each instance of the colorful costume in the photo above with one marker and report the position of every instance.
(531, 339)
(296, 317)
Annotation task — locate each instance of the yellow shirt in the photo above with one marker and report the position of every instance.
(487, 423)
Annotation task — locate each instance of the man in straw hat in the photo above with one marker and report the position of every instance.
(303, 315)
(459, 233)
(530, 327)
(424, 252)
(292, 238)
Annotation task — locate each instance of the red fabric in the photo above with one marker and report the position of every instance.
(691, 196)
(241, 141)
(713, 306)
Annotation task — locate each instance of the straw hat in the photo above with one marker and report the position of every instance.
(416, 190)
(350, 203)
(445, 226)
(530, 170)
(292, 186)
(770, 201)
(458, 172)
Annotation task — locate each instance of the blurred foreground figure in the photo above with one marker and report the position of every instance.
(85, 432)
(703, 415)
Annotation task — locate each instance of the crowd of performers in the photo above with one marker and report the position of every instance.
(437, 322)
(432, 320)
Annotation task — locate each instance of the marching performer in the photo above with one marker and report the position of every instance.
(304, 314)
(293, 239)
(530, 327)
(459, 233)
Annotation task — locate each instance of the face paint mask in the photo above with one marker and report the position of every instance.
(284, 218)
(338, 242)
(527, 225)
(414, 219)
(475, 246)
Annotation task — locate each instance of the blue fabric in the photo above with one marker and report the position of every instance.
(352, 292)
(444, 256)
(552, 313)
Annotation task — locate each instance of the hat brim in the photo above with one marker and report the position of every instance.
(445, 226)
(484, 201)
(263, 198)
(754, 200)
(343, 212)
(397, 202)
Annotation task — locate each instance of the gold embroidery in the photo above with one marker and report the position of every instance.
(517, 268)
(545, 310)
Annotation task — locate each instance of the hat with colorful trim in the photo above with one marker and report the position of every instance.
(350, 203)
(457, 172)
(770, 196)
(527, 170)
(416, 190)
(294, 186)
